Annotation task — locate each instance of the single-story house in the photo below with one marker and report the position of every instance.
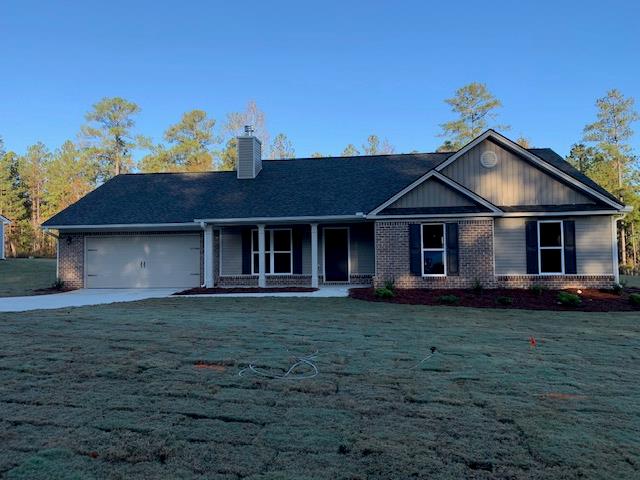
(493, 212)
(4, 221)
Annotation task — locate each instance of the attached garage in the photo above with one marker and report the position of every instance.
(142, 261)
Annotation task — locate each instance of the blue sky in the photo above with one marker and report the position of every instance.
(326, 73)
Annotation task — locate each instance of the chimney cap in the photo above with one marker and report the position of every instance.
(248, 130)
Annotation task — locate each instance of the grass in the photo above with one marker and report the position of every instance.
(22, 276)
(631, 280)
(125, 391)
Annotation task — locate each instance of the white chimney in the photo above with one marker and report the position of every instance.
(249, 154)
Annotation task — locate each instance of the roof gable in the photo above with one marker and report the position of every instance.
(513, 180)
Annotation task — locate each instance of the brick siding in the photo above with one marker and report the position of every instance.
(475, 257)
(285, 281)
(555, 281)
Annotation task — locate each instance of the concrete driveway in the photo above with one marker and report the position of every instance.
(79, 298)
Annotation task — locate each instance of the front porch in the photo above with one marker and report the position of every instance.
(288, 255)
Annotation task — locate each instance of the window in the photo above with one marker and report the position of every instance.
(550, 247)
(433, 251)
(278, 257)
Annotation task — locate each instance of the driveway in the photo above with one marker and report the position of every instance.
(79, 298)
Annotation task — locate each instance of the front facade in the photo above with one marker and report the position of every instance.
(492, 213)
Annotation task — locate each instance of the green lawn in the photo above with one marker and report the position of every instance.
(631, 281)
(21, 276)
(113, 391)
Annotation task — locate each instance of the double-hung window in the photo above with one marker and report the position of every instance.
(278, 255)
(434, 254)
(550, 247)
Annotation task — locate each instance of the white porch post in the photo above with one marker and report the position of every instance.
(262, 279)
(208, 256)
(314, 255)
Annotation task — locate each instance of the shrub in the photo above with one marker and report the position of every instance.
(634, 298)
(477, 287)
(384, 292)
(449, 299)
(390, 285)
(569, 299)
(537, 289)
(504, 300)
(617, 289)
(58, 284)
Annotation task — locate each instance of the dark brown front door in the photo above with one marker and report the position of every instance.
(336, 255)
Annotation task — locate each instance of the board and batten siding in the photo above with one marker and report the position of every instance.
(593, 245)
(512, 181)
(362, 249)
(432, 193)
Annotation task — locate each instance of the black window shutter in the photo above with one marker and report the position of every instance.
(297, 250)
(531, 234)
(415, 249)
(569, 227)
(246, 251)
(452, 249)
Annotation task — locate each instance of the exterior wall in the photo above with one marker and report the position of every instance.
(475, 247)
(71, 259)
(1, 240)
(283, 280)
(71, 254)
(593, 245)
(476, 256)
(361, 239)
(432, 193)
(513, 181)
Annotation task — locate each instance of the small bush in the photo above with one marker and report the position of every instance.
(634, 298)
(390, 285)
(449, 299)
(504, 300)
(477, 287)
(384, 292)
(569, 299)
(58, 284)
(537, 289)
(617, 289)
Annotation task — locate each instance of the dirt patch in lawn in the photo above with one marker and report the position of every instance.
(217, 290)
(592, 300)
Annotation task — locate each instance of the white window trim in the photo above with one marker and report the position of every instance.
(443, 250)
(561, 248)
(271, 253)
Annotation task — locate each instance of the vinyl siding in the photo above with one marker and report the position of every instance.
(231, 251)
(513, 181)
(432, 193)
(593, 245)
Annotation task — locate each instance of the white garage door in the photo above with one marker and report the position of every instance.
(143, 261)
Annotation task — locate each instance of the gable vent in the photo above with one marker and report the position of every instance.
(488, 159)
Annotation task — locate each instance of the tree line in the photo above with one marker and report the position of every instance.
(41, 182)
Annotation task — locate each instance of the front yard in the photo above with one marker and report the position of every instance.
(24, 276)
(151, 390)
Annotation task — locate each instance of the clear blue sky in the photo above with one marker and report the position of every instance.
(326, 73)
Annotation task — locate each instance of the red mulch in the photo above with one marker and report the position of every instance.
(592, 300)
(218, 290)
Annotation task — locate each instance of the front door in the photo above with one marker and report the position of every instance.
(336, 254)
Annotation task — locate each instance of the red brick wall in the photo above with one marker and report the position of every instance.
(71, 259)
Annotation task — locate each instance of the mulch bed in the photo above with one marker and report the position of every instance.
(218, 290)
(592, 300)
(50, 290)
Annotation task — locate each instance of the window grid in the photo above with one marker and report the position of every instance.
(443, 249)
(270, 253)
(556, 247)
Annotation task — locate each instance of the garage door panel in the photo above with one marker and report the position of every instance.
(143, 261)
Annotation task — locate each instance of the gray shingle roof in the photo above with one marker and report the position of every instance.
(285, 188)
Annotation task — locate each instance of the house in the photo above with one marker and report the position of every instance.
(4, 221)
(492, 212)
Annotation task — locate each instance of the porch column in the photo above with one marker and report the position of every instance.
(314, 255)
(208, 256)
(262, 279)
